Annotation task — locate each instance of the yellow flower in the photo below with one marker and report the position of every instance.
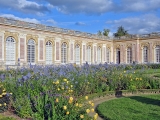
(4, 93)
(67, 112)
(71, 86)
(64, 107)
(4, 90)
(10, 93)
(124, 71)
(89, 102)
(64, 80)
(92, 104)
(81, 116)
(62, 88)
(70, 98)
(67, 82)
(80, 105)
(76, 104)
(57, 82)
(86, 97)
(87, 110)
(58, 89)
(1, 96)
(57, 100)
(71, 90)
(0, 104)
(92, 109)
(5, 104)
(70, 101)
(95, 116)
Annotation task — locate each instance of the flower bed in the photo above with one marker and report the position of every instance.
(58, 92)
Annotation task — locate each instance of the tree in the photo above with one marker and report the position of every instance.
(105, 32)
(99, 33)
(121, 32)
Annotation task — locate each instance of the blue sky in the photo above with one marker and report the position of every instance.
(136, 16)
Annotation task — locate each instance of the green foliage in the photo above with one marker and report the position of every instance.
(121, 32)
(131, 108)
(6, 118)
(36, 90)
(105, 32)
(4, 99)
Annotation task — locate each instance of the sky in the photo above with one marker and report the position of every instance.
(136, 16)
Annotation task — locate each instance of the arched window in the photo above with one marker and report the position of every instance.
(108, 55)
(145, 54)
(129, 55)
(49, 54)
(89, 54)
(157, 53)
(64, 53)
(118, 56)
(10, 51)
(99, 55)
(31, 51)
(77, 54)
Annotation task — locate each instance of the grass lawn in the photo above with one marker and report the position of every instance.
(6, 118)
(146, 107)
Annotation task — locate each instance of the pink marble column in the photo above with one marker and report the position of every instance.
(84, 48)
(71, 52)
(137, 51)
(133, 52)
(22, 49)
(150, 54)
(57, 50)
(94, 54)
(121, 54)
(0, 47)
(104, 54)
(41, 50)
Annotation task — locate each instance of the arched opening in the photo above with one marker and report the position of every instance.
(10, 51)
(49, 52)
(107, 55)
(89, 54)
(145, 54)
(64, 53)
(77, 54)
(129, 55)
(31, 51)
(157, 54)
(118, 56)
(99, 55)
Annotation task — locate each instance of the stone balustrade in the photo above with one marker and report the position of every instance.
(18, 23)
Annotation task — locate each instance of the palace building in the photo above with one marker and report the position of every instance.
(39, 44)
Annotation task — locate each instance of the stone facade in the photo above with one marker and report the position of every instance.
(80, 47)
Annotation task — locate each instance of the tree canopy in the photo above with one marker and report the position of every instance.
(121, 32)
(105, 32)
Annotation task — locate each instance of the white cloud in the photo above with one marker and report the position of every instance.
(142, 24)
(82, 6)
(21, 19)
(103, 6)
(24, 6)
(139, 5)
(51, 22)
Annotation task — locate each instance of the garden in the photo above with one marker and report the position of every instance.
(66, 92)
